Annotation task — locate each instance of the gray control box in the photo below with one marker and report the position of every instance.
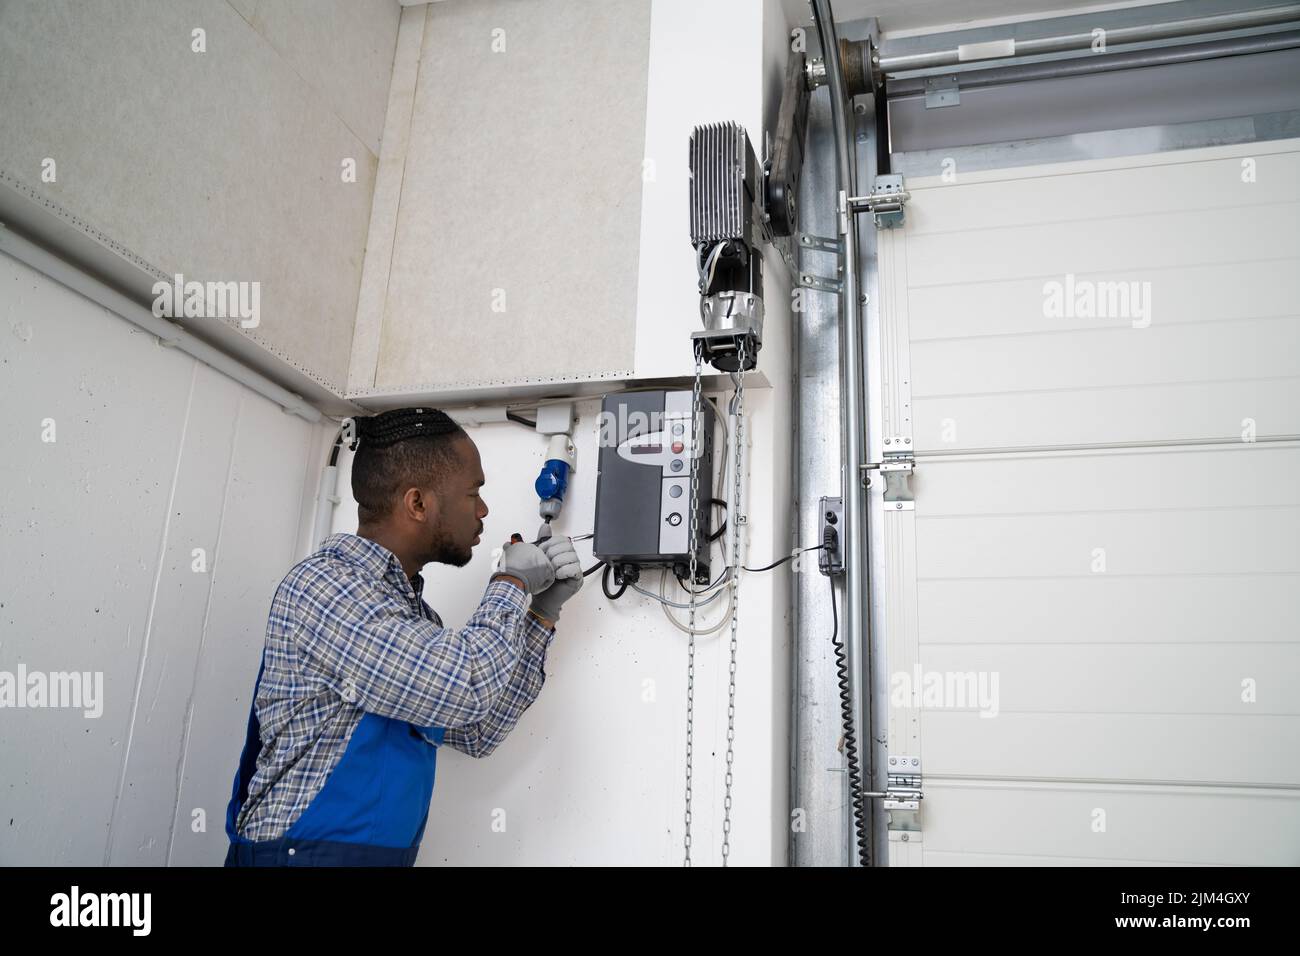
(643, 485)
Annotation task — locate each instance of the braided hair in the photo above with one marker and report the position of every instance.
(397, 450)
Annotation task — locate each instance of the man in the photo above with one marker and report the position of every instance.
(360, 682)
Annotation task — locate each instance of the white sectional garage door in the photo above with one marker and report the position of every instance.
(1099, 367)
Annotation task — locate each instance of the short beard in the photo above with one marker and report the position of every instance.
(444, 552)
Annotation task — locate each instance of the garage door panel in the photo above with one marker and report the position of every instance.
(997, 679)
(1207, 180)
(1259, 474)
(1133, 414)
(1232, 541)
(1218, 292)
(1102, 566)
(1107, 358)
(1133, 242)
(1135, 747)
(1106, 609)
(1036, 826)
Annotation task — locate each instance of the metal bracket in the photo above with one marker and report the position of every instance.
(822, 284)
(941, 91)
(820, 243)
(885, 202)
(898, 488)
(903, 798)
(898, 466)
(722, 348)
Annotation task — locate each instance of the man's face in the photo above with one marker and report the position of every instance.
(461, 509)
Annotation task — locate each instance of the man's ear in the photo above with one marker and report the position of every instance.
(420, 504)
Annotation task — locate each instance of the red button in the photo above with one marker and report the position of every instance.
(677, 447)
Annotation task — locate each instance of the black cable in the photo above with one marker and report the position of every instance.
(846, 711)
(519, 419)
(604, 584)
(723, 530)
(704, 590)
(775, 564)
(712, 538)
(753, 570)
(594, 568)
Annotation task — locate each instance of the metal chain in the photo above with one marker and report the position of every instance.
(736, 519)
(734, 583)
(694, 538)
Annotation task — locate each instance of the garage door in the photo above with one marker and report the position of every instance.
(1092, 614)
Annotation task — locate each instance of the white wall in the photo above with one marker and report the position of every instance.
(154, 455)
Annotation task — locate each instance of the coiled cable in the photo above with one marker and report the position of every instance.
(830, 541)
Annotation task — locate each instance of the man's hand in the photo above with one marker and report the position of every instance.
(529, 564)
(568, 578)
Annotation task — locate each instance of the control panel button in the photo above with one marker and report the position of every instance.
(674, 519)
(678, 428)
(675, 491)
(676, 464)
(678, 447)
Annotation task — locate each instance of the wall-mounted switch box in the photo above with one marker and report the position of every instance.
(643, 489)
(831, 561)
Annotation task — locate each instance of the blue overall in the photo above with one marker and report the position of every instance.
(371, 811)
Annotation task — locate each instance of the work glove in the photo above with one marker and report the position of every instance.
(529, 564)
(568, 577)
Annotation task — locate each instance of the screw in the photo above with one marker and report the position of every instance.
(898, 507)
(886, 441)
(863, 299)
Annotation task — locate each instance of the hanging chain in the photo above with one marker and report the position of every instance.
(736, 520)
(694, 538)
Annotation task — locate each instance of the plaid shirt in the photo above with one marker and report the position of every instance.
(349, 633)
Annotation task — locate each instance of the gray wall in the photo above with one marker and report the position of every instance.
(512, 255)
(221, 165)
